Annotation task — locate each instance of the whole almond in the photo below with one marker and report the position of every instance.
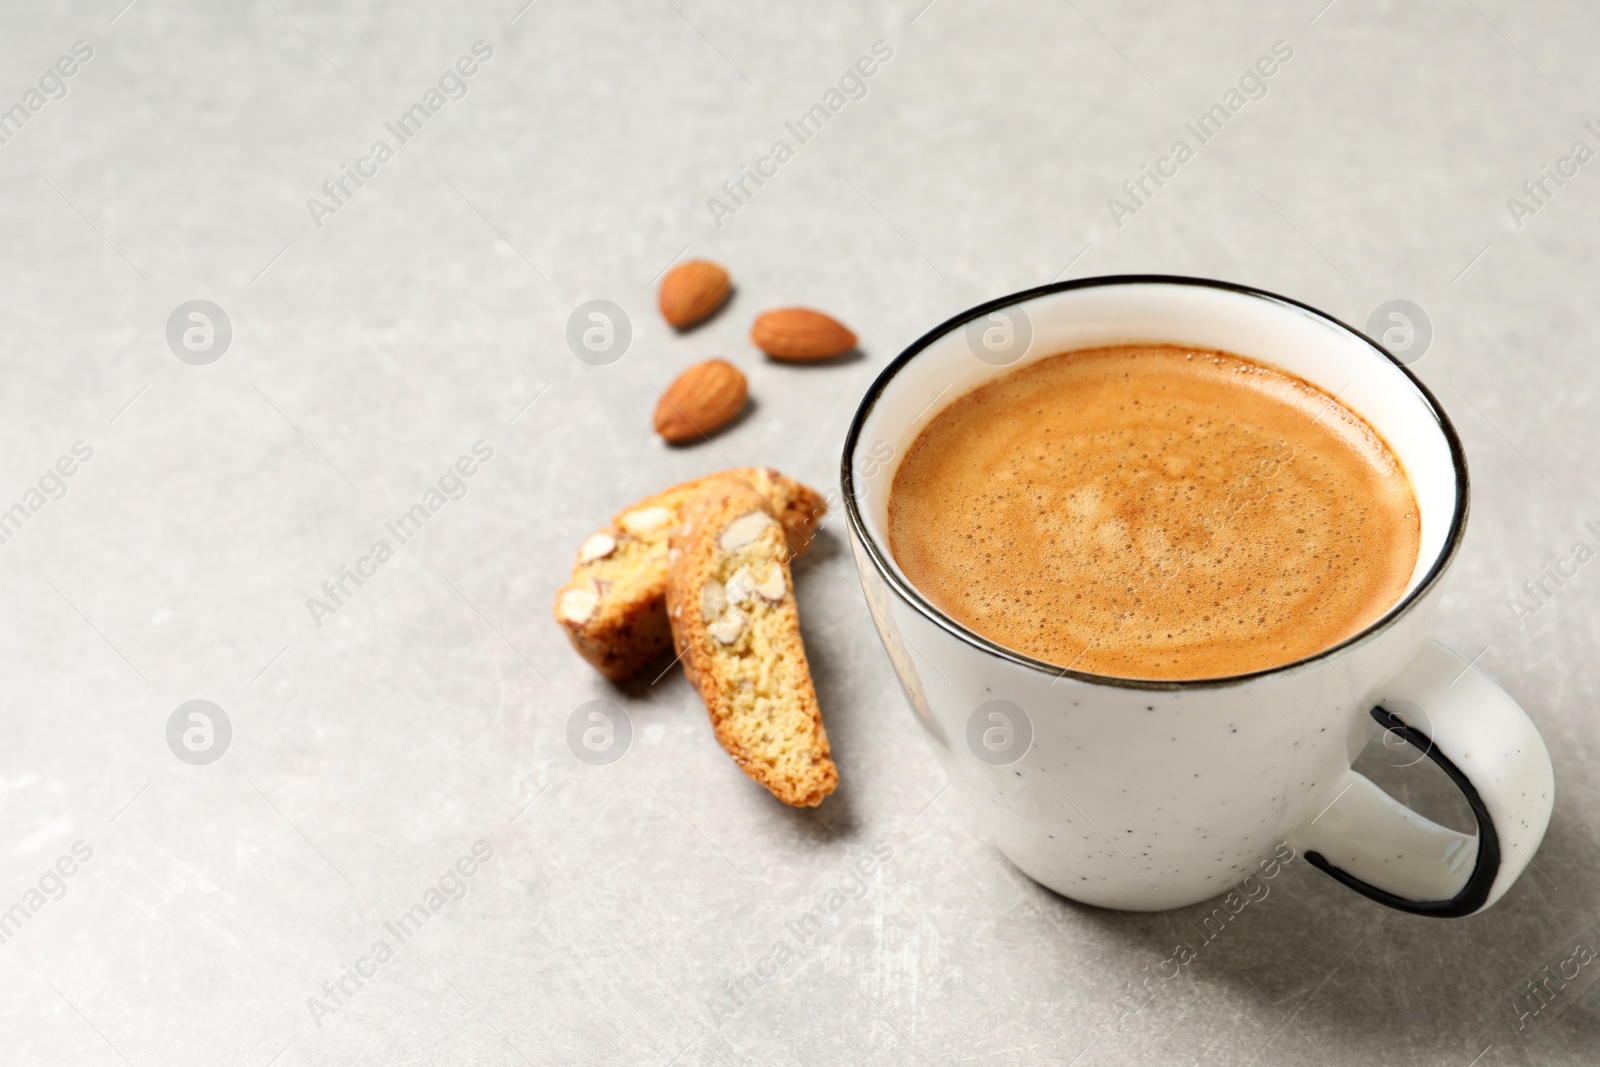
(701, 399)
(801, 334)
(691, 291)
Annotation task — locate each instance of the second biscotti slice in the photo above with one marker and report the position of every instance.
(613, 608)
(730, 601)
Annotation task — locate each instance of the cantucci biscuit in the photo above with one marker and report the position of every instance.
(614, 606)
(730, 599)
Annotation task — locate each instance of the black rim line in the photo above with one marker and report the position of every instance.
(886, 570)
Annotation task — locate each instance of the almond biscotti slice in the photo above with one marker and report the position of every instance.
(614, 606)
(730, 598)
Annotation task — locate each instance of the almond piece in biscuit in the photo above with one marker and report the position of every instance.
(613, 608)
(730, 598)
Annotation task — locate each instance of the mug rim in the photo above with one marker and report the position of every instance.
(913, 596)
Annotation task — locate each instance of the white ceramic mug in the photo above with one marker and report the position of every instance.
(1145, 795)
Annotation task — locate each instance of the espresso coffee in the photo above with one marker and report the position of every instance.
(1149, 511)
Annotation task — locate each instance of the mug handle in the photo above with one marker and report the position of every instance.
(1484, 741)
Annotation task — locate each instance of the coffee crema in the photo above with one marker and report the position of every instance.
(1155, 512)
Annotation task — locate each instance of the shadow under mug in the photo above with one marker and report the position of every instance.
(1144, 795)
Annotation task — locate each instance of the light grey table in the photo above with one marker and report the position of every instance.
(630, 913)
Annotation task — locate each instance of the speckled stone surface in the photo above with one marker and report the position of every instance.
(661, 908)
